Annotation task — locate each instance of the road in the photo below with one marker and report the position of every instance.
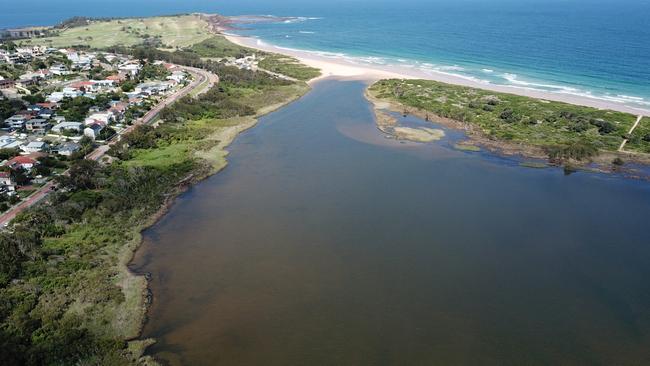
(630, 132)
(200, 79)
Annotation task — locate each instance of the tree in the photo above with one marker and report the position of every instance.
(6, 154)
(128, 86)
(10, 259)
(9, 107)
(20, 176)
(42, 170)
(604, 127)
(34, 98)
(83, 174)
(8, 46)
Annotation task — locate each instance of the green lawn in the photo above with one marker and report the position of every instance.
(176, 31)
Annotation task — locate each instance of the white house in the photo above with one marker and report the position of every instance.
(177, 76)
(151, 88)
(131, 68)
(104, 118)
(93, 130)
(67, 126)
(6, 181)
(59, 69)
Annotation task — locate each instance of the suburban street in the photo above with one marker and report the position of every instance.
(202, 80)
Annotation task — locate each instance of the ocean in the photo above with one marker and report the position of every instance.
(593, 48)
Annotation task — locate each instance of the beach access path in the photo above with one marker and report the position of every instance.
(638, 120)
(202, 80)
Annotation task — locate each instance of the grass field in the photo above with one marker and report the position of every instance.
(173, 31)
(522, 120)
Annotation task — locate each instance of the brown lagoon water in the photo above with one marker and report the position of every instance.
(323, 243)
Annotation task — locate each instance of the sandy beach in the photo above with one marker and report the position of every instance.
(348, 69)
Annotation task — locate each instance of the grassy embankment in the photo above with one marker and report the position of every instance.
(66, 296)
(516, 124)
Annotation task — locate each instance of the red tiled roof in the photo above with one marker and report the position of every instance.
(49, 105)
(82, 84)
(20, 160)
(119, 107)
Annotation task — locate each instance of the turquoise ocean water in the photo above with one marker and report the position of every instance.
(594, 48)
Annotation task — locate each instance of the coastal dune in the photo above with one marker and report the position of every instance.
(347, 69)
(328, 66)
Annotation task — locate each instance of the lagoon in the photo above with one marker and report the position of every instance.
(324, 243)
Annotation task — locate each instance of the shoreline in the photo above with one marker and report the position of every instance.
(474, 137)
(340, 68)
(216, 161)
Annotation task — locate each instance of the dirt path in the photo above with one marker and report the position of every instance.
(630, 132)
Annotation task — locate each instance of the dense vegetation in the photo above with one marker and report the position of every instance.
(288, 66)
(8, 107)
(565, 131)
(65, 295)
(218, 47)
